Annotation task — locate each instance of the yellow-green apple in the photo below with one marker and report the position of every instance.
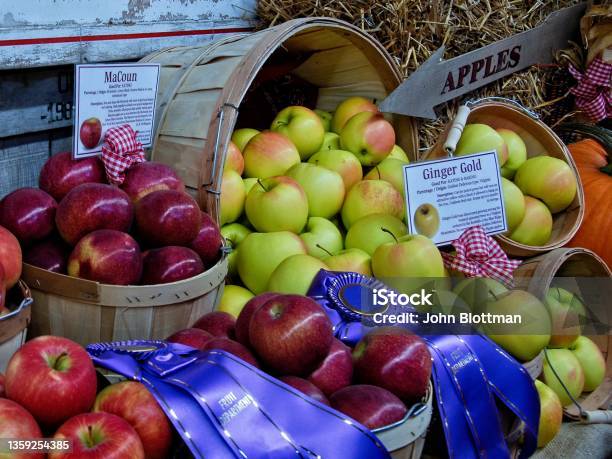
(369, 136)
(277, 204)
(551, 414)
(217, 323)
(269, 154)
(241, 137)
(53, 378)
(234, 234)
(232, 347)
(591, 360)
(527, 336)
(322, 238)
(249, 183)
(444, 302)
(517, 152)
(536, 226)
(349, 108)
(331, 141)
(295, 274)
(17, 424)
(261, 253)
(90, 132)
(549, 179)
(324, 188)
(61, 173)
(343, 162)
(514, 203)
(373, 230)
(566, 311)
(325, 118)
(426, 220)
(10, 257)
(233, 299)
(92, 206)
(350, 260)
(395, 359)
(146, 177)
(233, 195)
(567, 372)
(193, 337)
(391, 170)
(28, 213)
(371, 197)
(98, 436)
(476, 291)
(234, 159)
(133, 402)
(371, 406)
(291, 334)
(303, 127)
(398, 152)
(478, 138)
(207, 244)
(305, 387)
(170, 264)
(243, 321)
(108, 257)
(336, 370)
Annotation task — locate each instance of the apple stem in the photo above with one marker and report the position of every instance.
(378, 172)
(390, 232)
(493, 295)
(90, 440)
(261, 184)
(324, 250)
(57, 363)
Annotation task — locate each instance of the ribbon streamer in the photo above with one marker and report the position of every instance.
(120, 151)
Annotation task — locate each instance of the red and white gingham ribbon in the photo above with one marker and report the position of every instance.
(593, 91)
(479, 255)
(120, 151)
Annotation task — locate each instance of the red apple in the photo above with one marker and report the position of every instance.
(291, 334)
(90, 207)
(17, 424)
(61, 173)
(168, 217)
(193, 337)
(90, 132)
(244, 318)
(99, 436)
(233, 347)
(170, 264)
(306, 387)
(2, 392)
(10, 257)
(217, 323)
(336, 371)
(53, 378)
(51, 254)
(394, 359)
(372, 406)
(28, 213)
(208, 242)
(132, 401)
(107, 256)
(146, 177)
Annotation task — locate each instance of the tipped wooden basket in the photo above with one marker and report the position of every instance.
(14, 325)
(203, 89)
(539, 140)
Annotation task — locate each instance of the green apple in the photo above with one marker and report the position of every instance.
(549, 179)
(343, 162)
(369, 136)
(398, 152)
(295, 274)
(591, 360)
(233, 299)
(427, 220)
(277, 204)
(522, 340)
(535, 228)
(567, 372)
(371, 197)
(348, 108)
(565, 311)
(371, 231)
(242, 136)
(234, 234)
(514, 203)
(303, 127)
(322, 238)
(249, 183)
(325, 118)
(232, 197)
(476, 291)
(517, 152)
(234, 159)
(391, 170)
(261, 253)
(551, 414)
(478, 138)
(350, 260)
(331, 141)
(324, 188)
(269, 154)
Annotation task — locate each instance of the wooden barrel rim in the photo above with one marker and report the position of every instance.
(16, 324)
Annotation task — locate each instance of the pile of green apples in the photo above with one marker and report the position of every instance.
(319, 190)
(534, 188)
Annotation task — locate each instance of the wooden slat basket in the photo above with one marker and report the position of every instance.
(14, 325)
(203, 89)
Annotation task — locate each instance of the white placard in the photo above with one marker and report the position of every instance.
(109, 95)
(447, 196)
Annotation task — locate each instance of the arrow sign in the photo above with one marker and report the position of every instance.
(437, 81)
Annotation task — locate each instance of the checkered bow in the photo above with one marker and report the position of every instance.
(120, 151)
(479, 255)
(593, 91)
